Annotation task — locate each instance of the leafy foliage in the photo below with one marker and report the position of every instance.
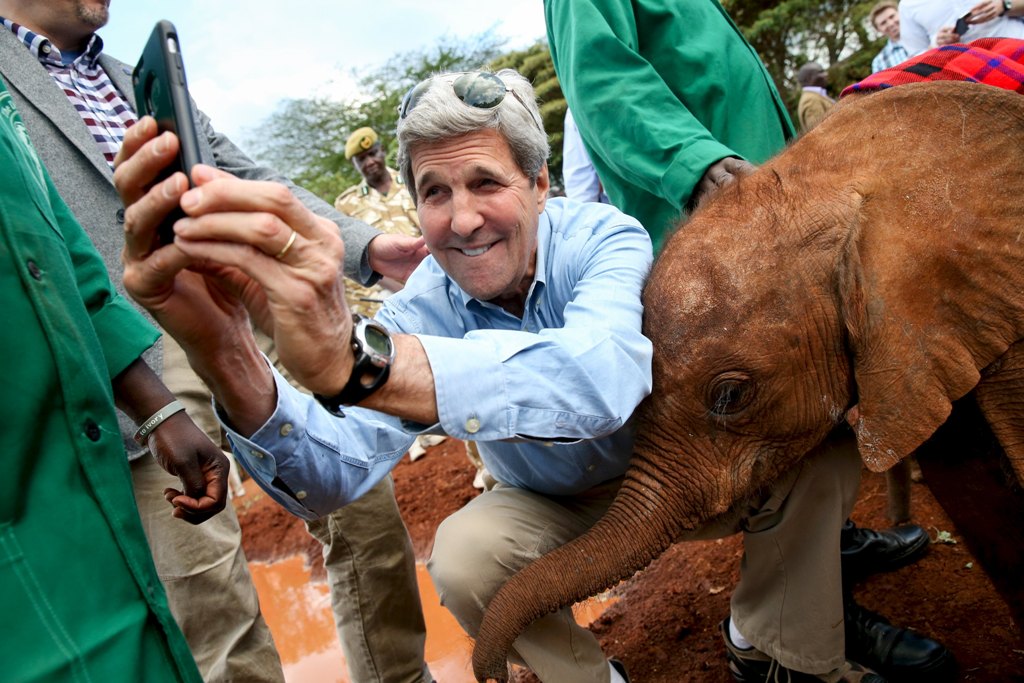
(305, 138)
(788, 33)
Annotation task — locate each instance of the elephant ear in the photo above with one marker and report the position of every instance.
(930, 296)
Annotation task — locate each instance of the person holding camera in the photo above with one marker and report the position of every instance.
(926, 24)
(521, 331)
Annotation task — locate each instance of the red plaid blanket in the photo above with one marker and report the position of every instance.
(992, 61)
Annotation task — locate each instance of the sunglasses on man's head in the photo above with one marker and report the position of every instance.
(477, 89)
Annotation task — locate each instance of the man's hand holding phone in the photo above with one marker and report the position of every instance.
(244, 245)
(947, 35)
(984, 11)
(962, 25)
(198, 304)
(202, 260)
(161, 91)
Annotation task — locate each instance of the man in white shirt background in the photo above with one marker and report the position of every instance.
(926, 24)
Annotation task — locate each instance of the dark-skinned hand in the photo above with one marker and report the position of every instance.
(718, 175)
(182, 449)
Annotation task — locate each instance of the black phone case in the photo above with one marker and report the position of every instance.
(162, 92)
(962, 26)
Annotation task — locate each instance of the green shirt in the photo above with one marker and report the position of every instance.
(78, 588)
(660, 90)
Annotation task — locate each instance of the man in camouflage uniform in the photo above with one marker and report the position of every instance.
(381, 200)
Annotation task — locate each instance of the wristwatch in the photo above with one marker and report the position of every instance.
(374, 353)
(1007, 6)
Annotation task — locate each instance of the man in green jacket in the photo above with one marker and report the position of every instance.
(677, 104)
(672, 102)
(78, 587)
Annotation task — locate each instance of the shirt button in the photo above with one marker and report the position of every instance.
(285, 429)
(256, 454)
(472, 425)
(119, 215)
(301, 495)
(34, 270)
(46, 49)
(92, 430)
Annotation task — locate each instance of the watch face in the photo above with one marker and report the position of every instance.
(376, 342)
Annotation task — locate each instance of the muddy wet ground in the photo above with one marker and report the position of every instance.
(662, 623)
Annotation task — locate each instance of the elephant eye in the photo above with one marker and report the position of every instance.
(729, 393)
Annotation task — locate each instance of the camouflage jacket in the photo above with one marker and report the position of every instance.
(391, 213)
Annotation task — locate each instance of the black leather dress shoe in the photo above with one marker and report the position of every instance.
(866, 551)
(752, 666)
(898, 654)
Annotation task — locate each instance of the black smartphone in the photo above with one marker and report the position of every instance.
(162, 92)
(961, 25)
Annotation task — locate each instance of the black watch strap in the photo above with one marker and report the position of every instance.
(374, 353)
(353, 392)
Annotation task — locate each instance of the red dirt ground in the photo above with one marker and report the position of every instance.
(664, 625)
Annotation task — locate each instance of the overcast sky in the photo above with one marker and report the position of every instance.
(243, 56)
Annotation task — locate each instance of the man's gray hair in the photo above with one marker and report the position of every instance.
(439, 115)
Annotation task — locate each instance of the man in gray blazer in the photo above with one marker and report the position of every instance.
(76, 103)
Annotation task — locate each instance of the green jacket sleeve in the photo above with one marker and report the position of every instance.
(123, 332)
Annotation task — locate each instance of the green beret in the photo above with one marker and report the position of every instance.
(360, 141)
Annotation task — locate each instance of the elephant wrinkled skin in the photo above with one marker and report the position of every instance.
(871, 273)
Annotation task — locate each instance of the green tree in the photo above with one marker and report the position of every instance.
(305, 138)
(788, 33)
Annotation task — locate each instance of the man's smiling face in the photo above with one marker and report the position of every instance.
(479, 214)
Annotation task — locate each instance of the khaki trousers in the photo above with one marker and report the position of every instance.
(371, 570)
(203, 568)
(788, 602)
(374, 595)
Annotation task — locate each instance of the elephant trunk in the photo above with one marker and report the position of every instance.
(636, 529)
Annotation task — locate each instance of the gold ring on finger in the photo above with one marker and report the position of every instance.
(287, 246)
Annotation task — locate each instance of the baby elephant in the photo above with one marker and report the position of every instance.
(871, 274)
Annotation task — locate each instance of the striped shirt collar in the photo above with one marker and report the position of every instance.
(48, 53)
(103, 109)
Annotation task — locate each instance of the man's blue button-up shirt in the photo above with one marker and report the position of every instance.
(547, 397)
